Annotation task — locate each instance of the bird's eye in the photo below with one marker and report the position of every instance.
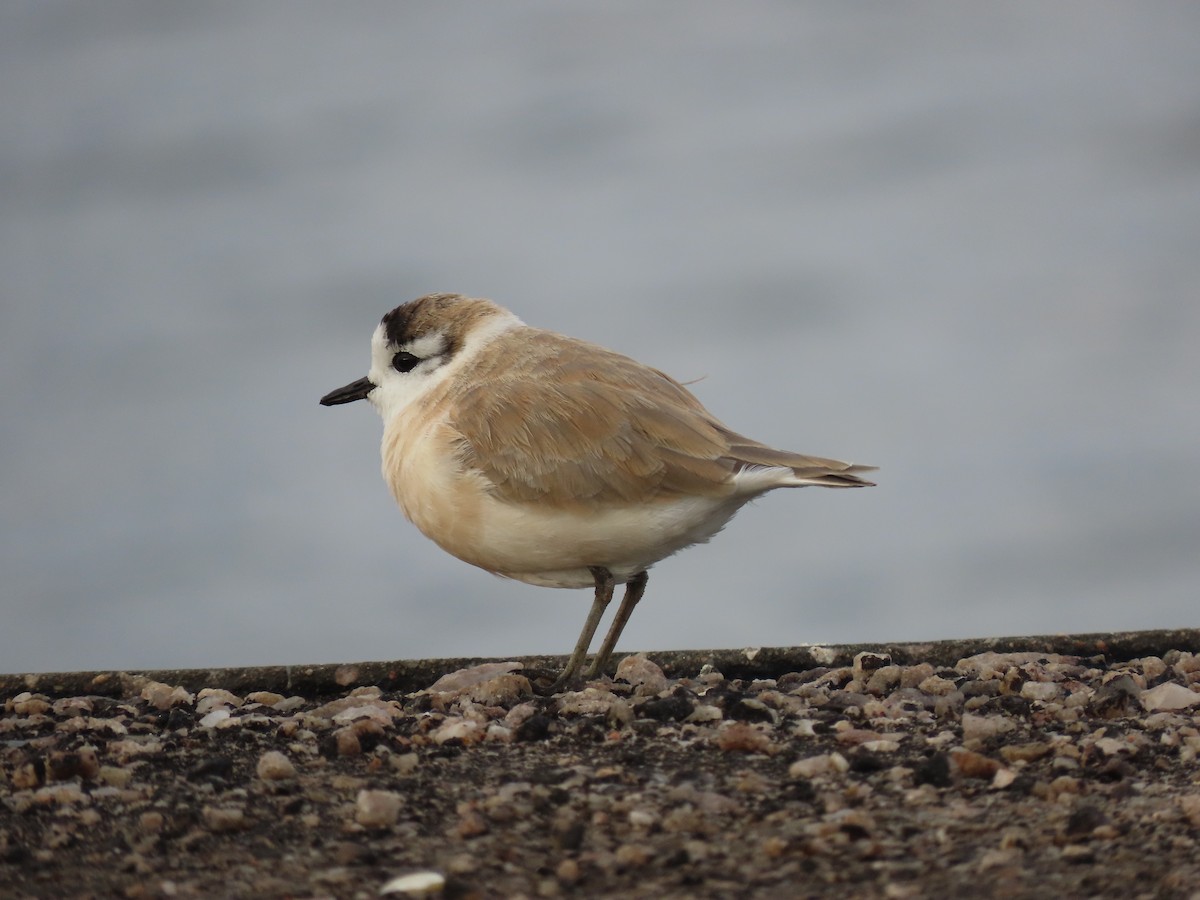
(405, 361)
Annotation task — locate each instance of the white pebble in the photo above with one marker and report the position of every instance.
(1003, 778)
(214, 718)
(417, 884)
(1169, 695)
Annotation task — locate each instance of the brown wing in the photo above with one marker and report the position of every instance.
(570, 423)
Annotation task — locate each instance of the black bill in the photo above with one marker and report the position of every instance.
(356, 390)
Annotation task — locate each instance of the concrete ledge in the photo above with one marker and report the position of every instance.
(326, 679)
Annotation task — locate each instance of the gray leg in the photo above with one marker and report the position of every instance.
(604, 592)
(634, 589)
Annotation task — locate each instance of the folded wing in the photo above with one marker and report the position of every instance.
(572, 424)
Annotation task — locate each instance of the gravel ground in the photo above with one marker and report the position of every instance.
(938, 770)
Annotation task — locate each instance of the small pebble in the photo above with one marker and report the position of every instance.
(503, 690)
(404, 763)
(822, 764)
(1189, 805)
(938, 686)
(645, 676)
(592, 701)
(1169, 696)
(568, 871)
(912, 676)
(347, 743)
(468, 731)
(883, 679)
(1042, 691)
(981, 728)
(215, 718)
(1063, 784)
(211, 698)
(82, 763)
(164, 696)
(266, 698)
(377, 809)
(867, 663)
(632, 856)
(471, 823)
(643, 818)
(275, 766)
(460, 680)
(116, 776)
(27, 704)
(881, 746)
(224, 818)
(1078, 854)
(741, 737)
(1003, 778)
(1027, 752)
(973, 765)
(416, 884)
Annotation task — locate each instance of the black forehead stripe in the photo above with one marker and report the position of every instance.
(396, 324)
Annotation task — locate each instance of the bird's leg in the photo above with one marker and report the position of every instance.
(634, 589)
(604, 592)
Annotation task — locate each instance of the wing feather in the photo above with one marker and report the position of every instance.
(571, 423)
(554, 420)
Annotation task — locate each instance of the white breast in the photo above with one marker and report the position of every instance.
(529, 542)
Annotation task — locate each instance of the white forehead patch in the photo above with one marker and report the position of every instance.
(378, 342)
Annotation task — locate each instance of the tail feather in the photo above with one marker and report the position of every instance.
(842, 478)
(808, 470)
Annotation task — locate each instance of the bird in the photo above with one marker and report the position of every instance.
(554, 461)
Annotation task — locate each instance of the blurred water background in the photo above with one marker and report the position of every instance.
(958, 241)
